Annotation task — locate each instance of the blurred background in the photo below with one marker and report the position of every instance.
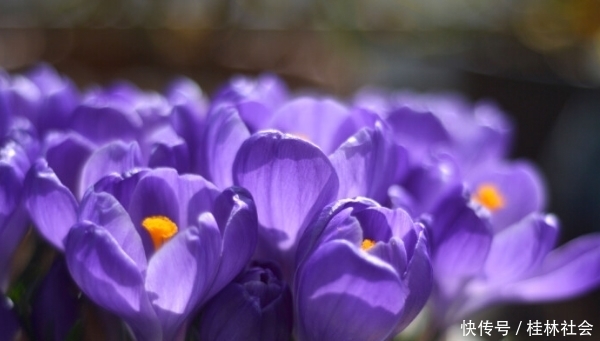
(538, 59)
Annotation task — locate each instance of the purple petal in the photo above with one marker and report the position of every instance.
(419, 277)
(117, 157)
(290, 181)
(106, 274)
(519, 185)
(103, 117)
(181, 272)
(55, 304)
(167, 149)
(12, 231)
(235, 214)
(255, 99)
(104, 210)
(518, 249)
(570, 270)
(419, 132)
(367, 164)
(324, 122)
(155, 195)
(460, 241)
(342, 294)
(120, 186)
(225, 134)
(51, 206)
(66, 154)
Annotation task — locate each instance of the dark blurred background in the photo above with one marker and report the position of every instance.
(538, 59)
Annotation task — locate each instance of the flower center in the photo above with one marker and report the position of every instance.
(160, 228)
(489, 196)
(367, 244)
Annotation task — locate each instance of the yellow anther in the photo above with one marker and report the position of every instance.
(160, 228)
(489, 196)
(367, 244)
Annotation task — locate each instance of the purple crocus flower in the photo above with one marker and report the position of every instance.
(13, 216)
(153, 246)
(363, 273)
(491, 244)
(257, 306)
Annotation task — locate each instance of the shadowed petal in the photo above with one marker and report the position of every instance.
(344, 294)
(167, 149)
(110, 278)
(51, 206)
(235, 214)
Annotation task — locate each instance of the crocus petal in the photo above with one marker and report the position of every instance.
(115, 157)
(66, 154)
(167, 149)
(460, 241)
(325, 122)
(120, 186)
(104, 210)
(110, 278)
(235, 214)
(181, 272)
(571, 269)
(103, 118)
(520, 186)
(55, 305)
(231, 308)
(153, 196)
(343, 294)
(51, 206)
(12, 232)
(418, 131)
(290, 181)
(520, 248)
(367, 164)
(419, 277)
(225, 134)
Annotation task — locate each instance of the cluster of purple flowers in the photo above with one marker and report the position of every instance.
(265, 215)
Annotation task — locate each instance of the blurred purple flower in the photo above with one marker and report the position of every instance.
(491, 244)
(9, 324)
(122, 250)
(363, 273)
(257, 306)
(13, 216)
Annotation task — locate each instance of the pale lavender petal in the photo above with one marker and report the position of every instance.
(520, 186)
(520, 248)
(107, 275)
(115, 157)
(570, 270)
(325, 122)
(225, 134)
(51, 206)
(343, 293)
(181, 272)
(291, 181)
(104, 210)
(66, 154)
(367, 164)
